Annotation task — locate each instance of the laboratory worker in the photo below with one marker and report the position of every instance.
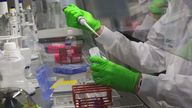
(170, 34)
(156, 9)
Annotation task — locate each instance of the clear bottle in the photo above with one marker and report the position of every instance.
(12, 69)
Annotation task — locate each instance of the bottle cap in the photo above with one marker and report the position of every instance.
(3, 0)
(10, 46)
(20, 1)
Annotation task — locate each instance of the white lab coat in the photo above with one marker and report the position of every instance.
(174, 87)
(141, 32)
(144, 5)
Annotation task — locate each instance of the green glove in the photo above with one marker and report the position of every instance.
(158, 7)
(110, 74)
(185, 50)
(72, 12)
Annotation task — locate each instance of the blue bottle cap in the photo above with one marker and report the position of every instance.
(20, 1)
(3, 0)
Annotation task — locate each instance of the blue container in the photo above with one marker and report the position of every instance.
(44, 81)
(70, 69)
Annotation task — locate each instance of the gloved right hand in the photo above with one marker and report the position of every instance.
(72, 12)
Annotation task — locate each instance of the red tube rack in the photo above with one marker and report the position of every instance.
(92, 96)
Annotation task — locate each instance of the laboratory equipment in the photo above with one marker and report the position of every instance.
(49, 13)
(15, 28)
(91, 96)
(16, 98)
(62, 94)
(70, 69)
(21, 12)
(12, 69)
(54, 48)
(69, 55)
(62, 100)
(83, 21)
(61, 82)
(45, 81)
(14, 25)
(23, 32)
(27, 53)
(64, 50)
(95, 51)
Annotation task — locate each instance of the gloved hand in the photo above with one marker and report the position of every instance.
(158, 7)
(185, 50)
(110, 74)
(72, 12)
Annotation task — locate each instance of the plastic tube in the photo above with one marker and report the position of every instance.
(83, 21)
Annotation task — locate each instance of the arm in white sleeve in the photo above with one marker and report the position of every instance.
(141, 56)
(174, 87)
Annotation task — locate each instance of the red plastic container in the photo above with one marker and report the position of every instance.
(92, 96)
(62, 59)
(54, 48)
(68, 55)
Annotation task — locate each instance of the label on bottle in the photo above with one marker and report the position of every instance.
(3, 8)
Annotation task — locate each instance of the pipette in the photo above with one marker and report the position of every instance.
(83, 21)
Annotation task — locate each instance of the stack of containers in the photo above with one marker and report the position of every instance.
(65, 53)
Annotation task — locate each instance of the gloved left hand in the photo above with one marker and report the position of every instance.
(158, 7)
(110, 74)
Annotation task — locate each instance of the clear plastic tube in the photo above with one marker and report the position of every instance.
(83, 21)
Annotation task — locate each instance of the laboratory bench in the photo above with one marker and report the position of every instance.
(125, 100)
(119, 99)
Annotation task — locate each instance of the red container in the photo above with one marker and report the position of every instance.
(67, 56)
(62, 59)
(54, 48)
(92, 96)
(76, 58)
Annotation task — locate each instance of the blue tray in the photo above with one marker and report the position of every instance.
(70, 69)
